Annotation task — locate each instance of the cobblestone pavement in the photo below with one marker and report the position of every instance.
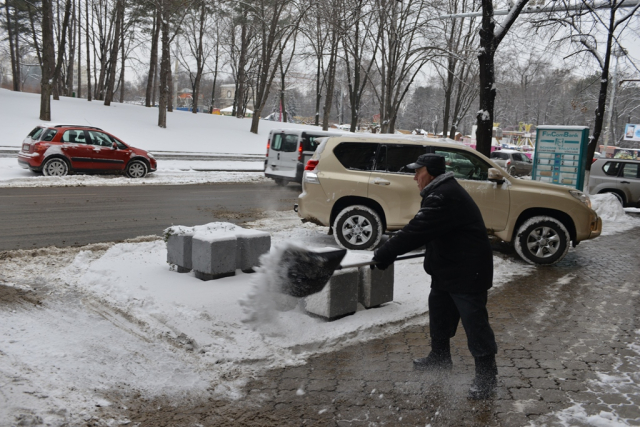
(566, 339)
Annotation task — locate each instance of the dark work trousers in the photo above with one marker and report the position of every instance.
(446, 310)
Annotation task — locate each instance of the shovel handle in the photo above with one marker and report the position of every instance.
(364, 263)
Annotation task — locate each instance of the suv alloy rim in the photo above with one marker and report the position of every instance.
(357, 230)
(543, 242)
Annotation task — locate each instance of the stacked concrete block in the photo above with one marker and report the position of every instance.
(250, 245)
(375, 287)
(214, 255)
(179, 252)
(338, 298)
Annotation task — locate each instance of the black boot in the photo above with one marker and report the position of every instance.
(486, 380)
(438, 359)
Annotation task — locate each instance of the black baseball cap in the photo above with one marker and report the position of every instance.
(433, 162)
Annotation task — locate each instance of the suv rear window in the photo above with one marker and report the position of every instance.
(356, 156)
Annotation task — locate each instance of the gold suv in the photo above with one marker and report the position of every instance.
(359, 186)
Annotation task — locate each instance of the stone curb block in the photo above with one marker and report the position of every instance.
(338, 298)
(375, 287)
(179, 252)
(251, 245)
(214, 255)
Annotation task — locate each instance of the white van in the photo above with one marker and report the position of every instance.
(288, 151)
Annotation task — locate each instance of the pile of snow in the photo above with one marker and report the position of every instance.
(614, 216)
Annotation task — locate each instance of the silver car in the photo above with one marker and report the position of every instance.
(514, 162)
(618, 176)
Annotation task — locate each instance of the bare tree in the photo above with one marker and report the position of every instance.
(360, 47)
(403, 53)
(275, 22)
(314, 30)
(50, 65)
(491, 34)
(596, 33)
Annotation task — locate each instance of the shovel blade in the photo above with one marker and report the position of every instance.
(307, 271)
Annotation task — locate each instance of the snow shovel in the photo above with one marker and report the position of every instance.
(308, 272)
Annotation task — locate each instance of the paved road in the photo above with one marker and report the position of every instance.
(71, 216)
(567, 338)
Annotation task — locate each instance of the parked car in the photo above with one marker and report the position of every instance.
(513, 161)
(618, 176)
(57, 150)
(359, 187)
(288, 151)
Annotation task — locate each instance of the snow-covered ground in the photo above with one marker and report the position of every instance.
(137, 125)
(115, 318)
(170, 172)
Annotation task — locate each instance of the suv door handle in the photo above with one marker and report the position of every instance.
(625, 182)
(380, 181)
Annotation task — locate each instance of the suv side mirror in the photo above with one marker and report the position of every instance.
(494, 175)
(114, 146)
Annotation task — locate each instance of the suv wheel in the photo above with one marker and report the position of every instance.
(55, 167)
(358, 227)
(512, 171)
(136, 169)
(542, 240)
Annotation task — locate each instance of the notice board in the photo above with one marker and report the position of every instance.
(560, 155)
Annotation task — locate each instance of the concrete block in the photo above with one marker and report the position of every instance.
(179, 252)
(251, 244)
(213, 255)
(338, 298)
(375, 287)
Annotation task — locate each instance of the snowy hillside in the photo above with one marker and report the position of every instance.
(137, 125)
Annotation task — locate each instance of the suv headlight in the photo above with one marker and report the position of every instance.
(581, 196)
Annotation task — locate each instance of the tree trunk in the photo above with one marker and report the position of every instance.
(13, 50)
(153, 62)
(48, 58)
(487, 92)
(165, 70)
(122, 59)
(61, 50)
(331, 80)
(115, 48)
(72, 51)
(86, 34)
(242, 63)
(79, 15)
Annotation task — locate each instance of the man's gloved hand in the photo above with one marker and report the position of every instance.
(381, 263)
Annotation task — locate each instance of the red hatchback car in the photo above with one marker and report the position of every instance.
(57, 150)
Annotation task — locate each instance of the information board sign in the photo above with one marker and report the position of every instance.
(632, 132)
(560, 155)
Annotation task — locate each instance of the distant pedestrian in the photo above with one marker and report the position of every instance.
(459, 260)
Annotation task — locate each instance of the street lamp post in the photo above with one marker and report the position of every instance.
(618, 52)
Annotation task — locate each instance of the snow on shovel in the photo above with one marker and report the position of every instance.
(308, 272)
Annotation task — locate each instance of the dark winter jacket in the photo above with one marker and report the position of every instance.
(459, 257)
